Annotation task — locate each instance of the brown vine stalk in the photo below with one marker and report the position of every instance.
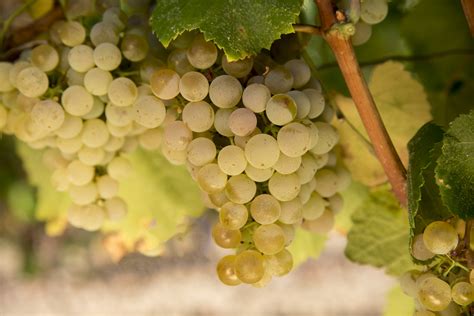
(468, 7)
(349, 66)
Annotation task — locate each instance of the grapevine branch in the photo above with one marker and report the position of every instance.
(468, 7)
(345, 56)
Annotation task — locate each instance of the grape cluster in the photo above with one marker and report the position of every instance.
(445, 286)
(72, 97)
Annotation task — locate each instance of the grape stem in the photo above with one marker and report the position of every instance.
(306, 28)
(468, 7)
(365, 104)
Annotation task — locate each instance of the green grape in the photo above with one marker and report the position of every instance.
(279, 80)
(81, 58)
(93, 217)
(267, 277)
(239, 68)
(434, 294)
(269, 239)
(240, 189)
(242, 141)
(242, 122)
(265, 209)
(119, 115)
(9, 72)
(463, 293)
(262, 151)
(408, 282)
(104, 32)
(48, 115)
(322, 225)
(91, 156)
(284, 187)
(327, 182)
(178, 61)
(224, 237)
(69, 146)
(45, 57)
(249, 266)
(317, 101)
(440, 237)
(211, 179)
(258, 175)
(107, 56)
(218, 198)
(231, 160)
(134, 47)
(119, 168)
(165, 84)
(71, 33)
(107, 187)
(226, 270)
(281, 109)
(373, 11)
(255, 97)
(122, 92)
(225, 91)
(32, 82)
(95, 133)
(221, 121)
(308, 169)
(336, 203)
(149, 111)
(79, 173)
(202, 54)
(291, 212)
(71, 127)
(293, 139)
(280, 263)
(201, 151)
(362, 34)
(77, 101)
(193, 86)
(419, 250)
(233, 215)
(300, 71)
(198, 116)
(314, 207)
(84, 194)
(287, 165)
(302, 103)
(116, 208)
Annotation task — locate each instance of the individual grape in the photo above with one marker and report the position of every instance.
(463, 293)
(84, 194)
(240, 189)
(440, 237)
(286, 164)
(281, 109)
(69, 146)
(300, 72)
(226, 271)
(291, 212)
(218, 198)
(224, 237)
(95, 133)
(77, 101)
(336, 203)
(233, 215)
(255, 97)
(315, 207)
(362, 34)
(293, 139)
(239, 68)
(104, 32)
(175, 157)
(48, 115)
(258, 175)
(202, 54)
(308, 169)
(317, 101)
(91, 156)
(328, 138)
(165, 84)
(45, 57)
(119, 131)
(373, 11)
(115, 143)
(119, 115)
(434, 294)
(211, 179)
(279, 264)
(74, 78)
(225, 91)
(422, 277)
(266, 278)
(116, 17)
(242, 122)
(231, 160)
(302, 103)
(116, 208)
(269, 239)
(93, 217)
(178, 61)
(284, 187)
(344, 178)
(81, 58)
(193, 86)
(221, 121)
(313, 134)
(32, 82)
(201, 151)
(419, 250)
(321, 225)
(242, 141)
(149, 111)
(79, 174)
(279, 80)
(265, 209)
(326, 181)
(122, 92)
(72, 33)
(107, 187)
(256, 79)
(59, 179)
(8, 72)
(198, 116)
(147, 68)
(262, 151)
(107, 56)
(71, 127)
(249, 266)
(119, 168)
(408, 283)
(134, 47)
(177, 135)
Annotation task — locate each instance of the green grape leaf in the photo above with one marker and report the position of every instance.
(424, 200)
(353, 197)
(380, 233)
(398, 303)
(240, 28)
(404, 108)
(160, 199)
(306, 245)
(455, 169)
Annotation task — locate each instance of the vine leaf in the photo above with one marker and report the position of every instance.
(455, 169)
(379, 235)
(240, 28)
(403, 105)
(306, 245)
(398, 303)
(424, 200)
(353, 197)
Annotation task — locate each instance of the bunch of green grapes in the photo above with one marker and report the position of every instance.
(83, 97)
(446, 286)
(260, 147)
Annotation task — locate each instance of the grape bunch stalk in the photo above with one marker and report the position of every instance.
(445, 285)
(254, 135)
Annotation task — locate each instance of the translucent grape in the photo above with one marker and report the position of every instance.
(91, 156)
(95, 133)
(336, 203)
(242, 122)
(218, 198)
(224, 237)
(81, 58)
(434, 294)
(119, 168)
(165, 84)
(225, 91)
(279, 80)
(226, 271)
(83, 195)
(116, 208)
(265, 209)
(463, 293)
(134, 47)
(70, 145)
(302, 103)
(201, 151)
(307, 169)
(326, 181)
(122, 92)
(149, 111)
(291, 212)
(419, 250)
(362, 34)
(97, 81)
(45, 57)
(74, 78)
(48, 115)
(258, 175)
(107, 56)
(77, 101)
(175, 157)
(202, 54)
(269, 239)
(239, 68)
(79, 173)
(286, 164)
(107, 187)
(279, 264)
(321, 225)
(71, 33)
(233, 215)
(317, 101)
(255, 97)
(119, 115)
(104, 32)
(178, 61)
(281, 109)
(293, 139)
(314, 207)
(211, 179)
(373, 11)
(93, 217)
(193, 86)
(240, 189)
(231, 160)
(9, 72)
(300, 71)
(408, 283)
(177, 135)
(198, 116)
(32, 82)
(262, 151)
(249, 266)
(284, 187)
(221, 121)
(440, 237)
